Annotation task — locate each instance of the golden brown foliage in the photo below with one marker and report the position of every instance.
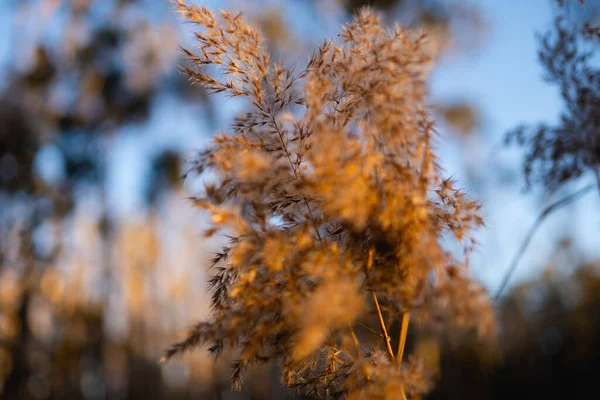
(332, 197)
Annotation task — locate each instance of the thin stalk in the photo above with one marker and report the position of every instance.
(536, 224)
(402, 339)
(289, 157)
(371, 330)
(386, 337)
(354, 340)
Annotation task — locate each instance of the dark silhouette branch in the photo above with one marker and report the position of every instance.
(547, 211)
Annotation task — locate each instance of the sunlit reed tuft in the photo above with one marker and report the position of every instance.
(335, 206)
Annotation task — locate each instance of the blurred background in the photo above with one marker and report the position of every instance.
(103, 262)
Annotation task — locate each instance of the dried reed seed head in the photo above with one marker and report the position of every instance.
(335, 303)
(329, 188)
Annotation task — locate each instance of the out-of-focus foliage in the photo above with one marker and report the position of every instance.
(353, 5)
(83, 296)
(92, 319)
(17, 150)
(562, 152)
(462, 116)
(100, 69)
(550, 342)
(166, 173)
